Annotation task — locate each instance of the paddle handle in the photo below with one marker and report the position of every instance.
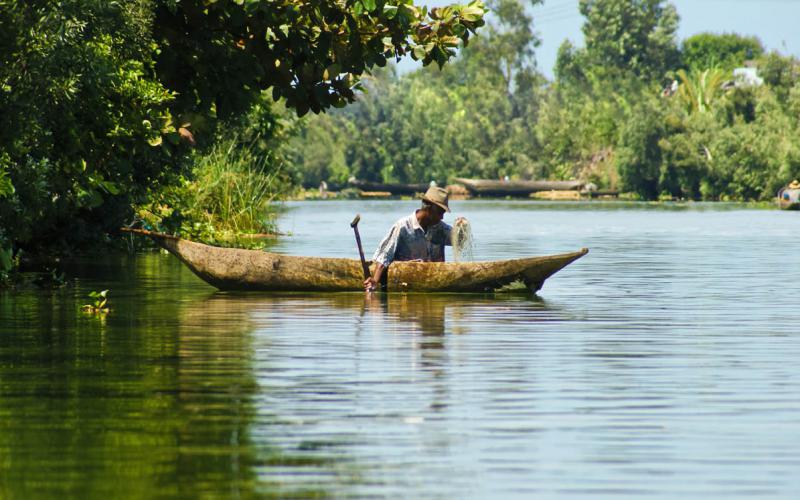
(364, 265)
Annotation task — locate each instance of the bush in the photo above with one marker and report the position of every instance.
(85, 126)
(228, 195)
(638, 155)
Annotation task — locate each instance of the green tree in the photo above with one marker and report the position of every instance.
(218, 55)
(686, 152)
(623, 37)
(84, 127)
(318, 151)
(473, 117)
(780, 73)
(98, 100)
(726, 51)
(699, 90)
(639, 155)
(630, 45)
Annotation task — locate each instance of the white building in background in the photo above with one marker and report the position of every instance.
(747, 77)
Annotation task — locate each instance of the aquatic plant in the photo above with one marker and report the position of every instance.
(8, 263)
(228, 199)
(100, 304)
(234, 188)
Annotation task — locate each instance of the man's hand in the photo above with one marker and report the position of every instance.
(370, 284)
(460, 221)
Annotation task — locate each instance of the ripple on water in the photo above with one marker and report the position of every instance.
(661, 364)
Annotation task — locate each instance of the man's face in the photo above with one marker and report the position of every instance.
(437, 214)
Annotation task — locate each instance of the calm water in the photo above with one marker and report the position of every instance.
(664, 363)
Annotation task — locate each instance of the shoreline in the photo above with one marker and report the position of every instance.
(542, 196)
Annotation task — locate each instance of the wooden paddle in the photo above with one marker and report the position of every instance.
(364, 265)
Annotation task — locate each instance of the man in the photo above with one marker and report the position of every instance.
(420, 236)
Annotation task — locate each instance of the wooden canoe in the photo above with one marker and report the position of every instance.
(393, 189)
(488, 187)
(240, 269)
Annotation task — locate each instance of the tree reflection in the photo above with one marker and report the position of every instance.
(170, 397)
(158, 401)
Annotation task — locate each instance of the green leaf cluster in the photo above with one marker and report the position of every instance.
(218, 55)
(100, 101)
(725, 52)
(78, 105)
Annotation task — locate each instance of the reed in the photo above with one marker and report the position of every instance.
(234, 191)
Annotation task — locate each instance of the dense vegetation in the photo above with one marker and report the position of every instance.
(107, 106)
(603, 119)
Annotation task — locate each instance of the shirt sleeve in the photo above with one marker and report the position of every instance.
(385, 252)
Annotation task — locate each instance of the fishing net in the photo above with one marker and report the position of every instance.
(462, 241)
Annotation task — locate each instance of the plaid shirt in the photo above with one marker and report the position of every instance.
(408, 241)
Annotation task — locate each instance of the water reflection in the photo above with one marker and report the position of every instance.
(327, 364)
(156, 399)
(660, 365)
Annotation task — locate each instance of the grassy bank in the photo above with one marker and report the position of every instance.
(230, 198)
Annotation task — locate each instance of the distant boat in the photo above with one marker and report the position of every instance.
(396, 189)
(789, 196)
(490, 187)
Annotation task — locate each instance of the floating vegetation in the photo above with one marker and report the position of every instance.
(99, 306)
(463, 245)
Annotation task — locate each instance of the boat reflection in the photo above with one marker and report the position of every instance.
(429, 314)
(319, 345)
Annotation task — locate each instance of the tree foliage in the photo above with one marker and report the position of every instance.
(84, 128)
(473, 117)
(623, 37)
(99, 101)
(219, 55)
(699, 91)
(639, 155)
(607, 118)
(725, 52)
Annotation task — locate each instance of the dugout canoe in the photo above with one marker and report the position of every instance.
(240, 269)
(394, 189)
(488, 187)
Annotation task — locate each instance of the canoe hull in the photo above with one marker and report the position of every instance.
(486, 187)
(394, 189)
(240, 269)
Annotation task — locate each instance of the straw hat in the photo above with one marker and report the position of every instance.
(794, 184)
(437, 196)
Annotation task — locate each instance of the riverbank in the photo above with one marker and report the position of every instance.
(460, 194)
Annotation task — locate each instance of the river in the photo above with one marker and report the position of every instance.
(661, 364)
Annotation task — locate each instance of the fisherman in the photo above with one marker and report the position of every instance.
(421, 236)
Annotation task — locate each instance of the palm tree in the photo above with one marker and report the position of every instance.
(700, 89)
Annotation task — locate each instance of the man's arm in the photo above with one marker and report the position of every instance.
(384, 256)
(373, 281)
